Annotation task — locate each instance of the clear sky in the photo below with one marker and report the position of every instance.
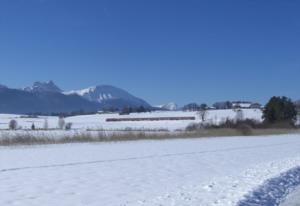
(160, 50)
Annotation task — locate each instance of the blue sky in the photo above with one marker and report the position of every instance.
(160, 50)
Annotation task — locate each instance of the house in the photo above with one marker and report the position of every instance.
(246, 105)
(241, 104)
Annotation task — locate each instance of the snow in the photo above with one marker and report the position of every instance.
(43, 86)
(183, 172)
(275, 191)
(81, 92)
(98, 121)
(293, 198)
(242, 104)
(172, 106)
(93, 93)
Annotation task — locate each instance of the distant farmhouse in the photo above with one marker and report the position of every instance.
(223, 105)
(237, 104)
(246, 105)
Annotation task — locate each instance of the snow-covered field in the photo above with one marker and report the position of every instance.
(98, 121)
(189, 172)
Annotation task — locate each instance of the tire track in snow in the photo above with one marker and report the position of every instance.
(145, 157)
(274, 190)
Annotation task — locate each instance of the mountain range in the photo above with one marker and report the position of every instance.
(109, 96)
(46, 97)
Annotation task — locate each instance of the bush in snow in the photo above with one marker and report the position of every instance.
(13, 124)
(68, 126)
(193, 127)
(240, 123)
(244, 129)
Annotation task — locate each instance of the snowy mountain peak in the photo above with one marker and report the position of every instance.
(81, 92)
(95, 93)
(172, 106)
(3, 86)
(109, 95)
(43, 87)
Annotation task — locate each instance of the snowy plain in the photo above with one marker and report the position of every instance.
(98, 121)
(186, 172)
(92, 125)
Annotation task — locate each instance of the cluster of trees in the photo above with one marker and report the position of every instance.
(195, 107)
(280, 109)
(199, 107)
(13, 124)
(223, 105)
(125, 110)
(128, 110)
(58, 114)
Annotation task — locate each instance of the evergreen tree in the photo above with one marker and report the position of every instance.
(280, 109)
(141, 109)
(203, 106)
(32, 126)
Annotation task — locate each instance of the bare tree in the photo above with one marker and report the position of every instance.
(46, 124)
(202, 114)
(61, 123)
(239, 115)
(13, 124)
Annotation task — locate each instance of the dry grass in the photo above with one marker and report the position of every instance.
(224, 132)
(29, 139)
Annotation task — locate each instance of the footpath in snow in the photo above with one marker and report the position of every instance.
(187, 172)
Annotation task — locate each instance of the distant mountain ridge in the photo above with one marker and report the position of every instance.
(22, 102)
(2, 86)
(110, 96)
(43, 87)
(46, 97)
